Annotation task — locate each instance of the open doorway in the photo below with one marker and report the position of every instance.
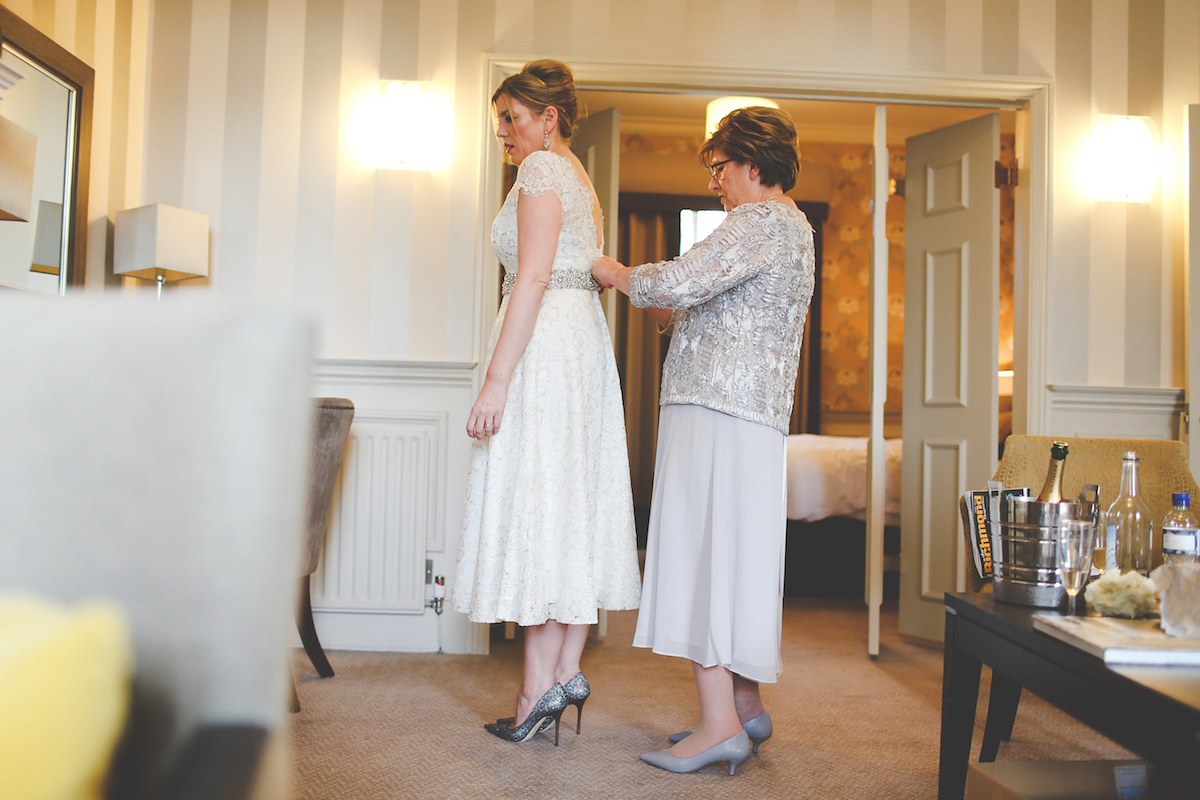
(660, 134)
(1027, 98)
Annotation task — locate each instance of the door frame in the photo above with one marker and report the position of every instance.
(1029, 97)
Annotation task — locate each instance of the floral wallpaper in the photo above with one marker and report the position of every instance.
(845, 275)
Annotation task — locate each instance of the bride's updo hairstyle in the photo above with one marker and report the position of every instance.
(544, 83)
(760, 136)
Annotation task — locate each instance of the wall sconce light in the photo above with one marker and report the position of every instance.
(408, 128)
(160, 243)
(717, 109)
(1122, 163)
(18, 147)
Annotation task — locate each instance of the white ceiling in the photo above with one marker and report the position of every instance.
(816, 120)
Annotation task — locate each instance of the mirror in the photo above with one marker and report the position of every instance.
(49, 108)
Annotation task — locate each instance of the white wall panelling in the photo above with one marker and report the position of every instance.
(1116, 412)
(399, 503)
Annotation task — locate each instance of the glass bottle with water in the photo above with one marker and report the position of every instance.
(1130, 524)
(1180, 531)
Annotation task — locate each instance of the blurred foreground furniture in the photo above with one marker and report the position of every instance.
(331, 430)
(155, 456)
(1162, 469)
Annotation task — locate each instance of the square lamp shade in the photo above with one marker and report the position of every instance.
(160, 242)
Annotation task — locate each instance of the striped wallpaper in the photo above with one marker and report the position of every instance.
(241, 109)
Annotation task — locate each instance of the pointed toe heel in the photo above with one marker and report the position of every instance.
(735, 750)
(759, 729)
(548, 710)
(578, 691)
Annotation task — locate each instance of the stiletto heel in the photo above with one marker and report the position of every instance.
(735, 750)
(549, 707)
(759, 729)
(578, 691)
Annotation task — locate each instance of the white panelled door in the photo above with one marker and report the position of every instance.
(597, 144)
(951, 343)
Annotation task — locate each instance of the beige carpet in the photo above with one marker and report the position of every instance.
(394, 725)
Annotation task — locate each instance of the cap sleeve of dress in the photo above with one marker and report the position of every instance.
(538, 174)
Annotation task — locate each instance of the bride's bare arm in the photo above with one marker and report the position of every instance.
(539, 217)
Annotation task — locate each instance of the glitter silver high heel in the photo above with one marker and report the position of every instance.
(759, 729)
(578, 691)
(549, 707)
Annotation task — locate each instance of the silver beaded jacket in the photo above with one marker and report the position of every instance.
(740, 298)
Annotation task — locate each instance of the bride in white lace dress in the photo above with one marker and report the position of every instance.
(543, 545)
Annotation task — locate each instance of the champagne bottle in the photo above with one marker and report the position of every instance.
(1052, 488)
(1130, 524)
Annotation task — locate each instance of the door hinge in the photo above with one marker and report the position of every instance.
(1005, 176)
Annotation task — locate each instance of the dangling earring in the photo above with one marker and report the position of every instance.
(545, 139)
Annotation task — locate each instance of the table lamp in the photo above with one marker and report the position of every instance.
(160, 243)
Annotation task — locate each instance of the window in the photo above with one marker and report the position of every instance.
(694, 225)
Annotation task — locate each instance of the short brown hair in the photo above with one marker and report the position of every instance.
(760, 136)
(541, 84)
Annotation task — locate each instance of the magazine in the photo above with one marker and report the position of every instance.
(1121, 641)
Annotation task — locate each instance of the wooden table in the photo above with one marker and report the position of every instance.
(1153, 711)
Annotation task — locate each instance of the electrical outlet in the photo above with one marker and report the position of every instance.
(428, 571)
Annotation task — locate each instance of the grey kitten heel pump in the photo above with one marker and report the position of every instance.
(735, 750)
(759, 729)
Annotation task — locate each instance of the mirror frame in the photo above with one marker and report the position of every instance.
(37, 46)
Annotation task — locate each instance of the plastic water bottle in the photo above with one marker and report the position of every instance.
(1180, 531)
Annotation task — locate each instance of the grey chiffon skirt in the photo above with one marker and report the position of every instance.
(713, 586)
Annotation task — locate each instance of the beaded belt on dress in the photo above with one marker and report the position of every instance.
(562, 279)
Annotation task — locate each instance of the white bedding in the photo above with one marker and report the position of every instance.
(827, 477)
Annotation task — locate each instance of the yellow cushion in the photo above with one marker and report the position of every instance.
(64, 694)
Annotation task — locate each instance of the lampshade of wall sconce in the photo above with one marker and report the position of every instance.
(160, 241)
(403, 134)
(47, 238)
(1122, 163)
(717, 109)
(18, 149)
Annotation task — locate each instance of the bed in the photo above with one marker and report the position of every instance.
(826, 509)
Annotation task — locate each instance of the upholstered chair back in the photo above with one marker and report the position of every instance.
(156, 456)
(331, 430)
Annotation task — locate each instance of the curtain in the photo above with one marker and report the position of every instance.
(643, 237)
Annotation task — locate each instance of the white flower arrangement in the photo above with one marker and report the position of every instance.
(1131, 595)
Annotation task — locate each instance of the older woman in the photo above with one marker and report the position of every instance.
(713, 585)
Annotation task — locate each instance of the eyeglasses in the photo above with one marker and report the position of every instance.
(717, 167)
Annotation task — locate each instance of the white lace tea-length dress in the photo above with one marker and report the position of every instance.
(548, 526)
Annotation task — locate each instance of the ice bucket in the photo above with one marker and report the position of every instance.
(1024, 564)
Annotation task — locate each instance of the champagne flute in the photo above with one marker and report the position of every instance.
(1075, 545)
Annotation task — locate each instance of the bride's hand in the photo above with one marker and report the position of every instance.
(488, 410)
